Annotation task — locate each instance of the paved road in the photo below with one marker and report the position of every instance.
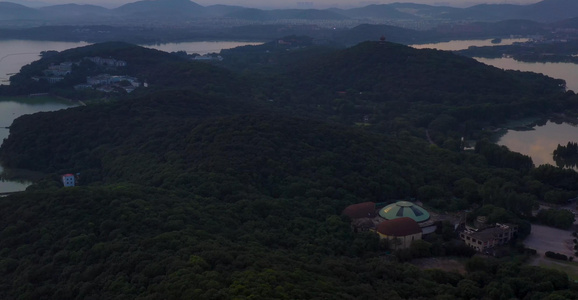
(544, 238)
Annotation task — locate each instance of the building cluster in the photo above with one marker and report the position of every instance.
(102, 82)
(56, 72)
(108, 83)
(400, 223)
(403, 222)
(110, 62)
(208, 57)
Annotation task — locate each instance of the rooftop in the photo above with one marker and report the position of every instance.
(402, 209)
(360, 210)
(399, 227)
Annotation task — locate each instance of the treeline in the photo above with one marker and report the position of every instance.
(219, 186)
(390, 85)
(133, 242)
(566, 156)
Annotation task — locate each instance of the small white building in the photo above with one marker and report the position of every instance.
(68, 180)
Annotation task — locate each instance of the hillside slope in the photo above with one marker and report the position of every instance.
(187, 192)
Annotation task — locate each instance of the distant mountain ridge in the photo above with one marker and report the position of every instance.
(179, 10)
(10, 11)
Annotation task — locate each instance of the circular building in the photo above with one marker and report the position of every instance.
(404, 209)
(360, 210)
(401, 232)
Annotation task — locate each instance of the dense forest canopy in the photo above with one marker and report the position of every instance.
(227, 180)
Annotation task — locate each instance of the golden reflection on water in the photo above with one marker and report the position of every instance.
(465, 44)
(540, 142)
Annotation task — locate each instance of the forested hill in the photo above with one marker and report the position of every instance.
(161, 70)
(236, 192)
(384, 66)
(383, 81)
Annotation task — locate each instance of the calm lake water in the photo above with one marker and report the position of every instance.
(540, 142)
(16, 53)
(566, 71)
(465, 44)
(12, 109)
(199, 47)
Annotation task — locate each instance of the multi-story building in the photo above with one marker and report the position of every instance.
(485, 239)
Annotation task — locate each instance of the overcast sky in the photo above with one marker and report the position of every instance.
(298, 3)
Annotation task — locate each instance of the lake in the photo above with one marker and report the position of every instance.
(465, 44)
(200, 47)
(14, 54)
(540, 142)
(566, 71)
(11, 109)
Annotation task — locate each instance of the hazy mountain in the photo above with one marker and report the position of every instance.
(74, 11)
(423, 10)
(13, 11)
(171, 11)
(281, 14)
(488, 12)
(30, 3)
(221, 10)
(155, 9)
(248, 14)
(552, 10)
(377, 11)
(544, 11)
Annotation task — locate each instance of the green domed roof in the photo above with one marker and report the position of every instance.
(402, 209)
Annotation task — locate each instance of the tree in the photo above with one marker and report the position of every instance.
(559, 218)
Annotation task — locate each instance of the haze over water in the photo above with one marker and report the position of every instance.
(16, 53)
